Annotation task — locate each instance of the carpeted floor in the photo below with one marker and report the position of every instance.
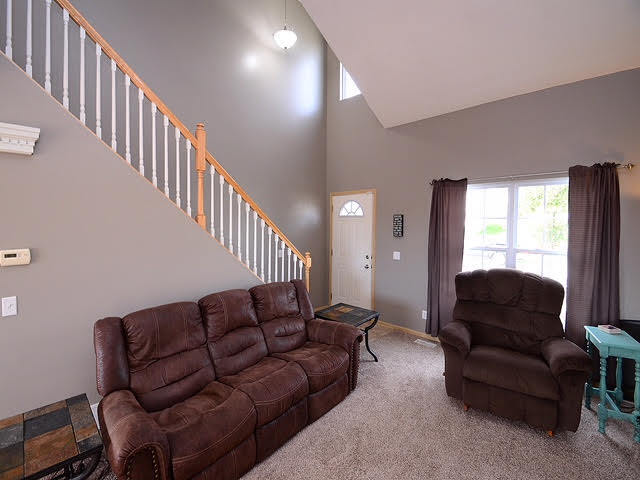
(399, 424)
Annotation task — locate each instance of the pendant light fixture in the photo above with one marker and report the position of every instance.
(285, 38)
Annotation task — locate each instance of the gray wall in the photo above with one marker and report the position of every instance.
(582, 123)
(104, 242)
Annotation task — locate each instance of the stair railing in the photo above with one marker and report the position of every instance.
(270, 258)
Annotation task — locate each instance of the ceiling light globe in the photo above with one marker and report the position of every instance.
(285, 38)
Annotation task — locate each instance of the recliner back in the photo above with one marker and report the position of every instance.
(167, 354)
(283, 309)
(234, 338)
(508, 308)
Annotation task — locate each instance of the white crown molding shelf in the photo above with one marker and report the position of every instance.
(18, 138)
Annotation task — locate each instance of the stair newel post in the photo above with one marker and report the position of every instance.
(307, 270)
(201, 166)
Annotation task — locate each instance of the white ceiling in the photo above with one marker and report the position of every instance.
(415, 59)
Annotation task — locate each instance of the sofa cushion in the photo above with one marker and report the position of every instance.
(511, 370)
(167, 354)
(273, 385)
(205, 427)
(323, 364)
(234, 338)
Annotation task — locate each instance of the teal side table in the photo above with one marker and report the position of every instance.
(619, 346)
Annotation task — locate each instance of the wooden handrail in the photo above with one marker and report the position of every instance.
(126, 69)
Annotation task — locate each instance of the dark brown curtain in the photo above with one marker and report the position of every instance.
(446, 245)
(593, 283)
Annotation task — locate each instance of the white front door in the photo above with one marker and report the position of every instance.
(352, 219)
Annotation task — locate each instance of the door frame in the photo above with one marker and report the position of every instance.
(373, 240)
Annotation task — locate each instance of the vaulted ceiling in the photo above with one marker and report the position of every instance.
(416, 59)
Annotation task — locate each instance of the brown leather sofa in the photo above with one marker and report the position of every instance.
(505, 350)
(206, 390)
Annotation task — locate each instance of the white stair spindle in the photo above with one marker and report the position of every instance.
(178, 199)
(114, 140)
(282, 261)
(47, 51)
(289, 264)
(8, 49)
(165, 123)
(275, 260)
(140, 132)
(239, 199)
(29, 66)
(127, 119)
(221, 219)
(212, 172)
(300, 264)
(83, 113)
(154, 161)
(65, 60)
(269, 233)
(98, 96)
(247, 208)
(262, 224)
(231, 218)
(188, 173)
(255, 242)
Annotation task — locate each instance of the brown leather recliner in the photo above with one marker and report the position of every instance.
(505, 350)
(207, 390)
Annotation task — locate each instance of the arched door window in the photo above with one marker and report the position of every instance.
(351, 208)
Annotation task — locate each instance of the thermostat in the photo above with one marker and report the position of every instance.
(9, 258)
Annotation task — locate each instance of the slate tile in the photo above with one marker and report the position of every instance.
(43, 410)
(7, 422)
(49, 449)
(78, 399)
(13, 474)
(82, 420)
(46, 423)
(11, 457)
(89, 443)
(11, 435)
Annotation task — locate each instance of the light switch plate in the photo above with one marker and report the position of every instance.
(396, 255)
(9, 306)
(424, 314)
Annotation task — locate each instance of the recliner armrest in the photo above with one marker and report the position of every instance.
(333, 333)
(134, 443)
(562, 356)
(458, 335)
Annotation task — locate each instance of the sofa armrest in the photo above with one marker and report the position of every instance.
(562, 356)
(136, 447)
(458, 335)
(345, 336)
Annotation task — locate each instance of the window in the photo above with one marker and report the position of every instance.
(351, 209)
(520, 224)
(348, 87)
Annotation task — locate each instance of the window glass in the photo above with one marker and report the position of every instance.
(351, 209)
(348, 87)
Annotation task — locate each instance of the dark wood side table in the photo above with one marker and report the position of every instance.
(61, 438)
(356, 316)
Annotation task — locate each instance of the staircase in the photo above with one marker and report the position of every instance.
(145, 133)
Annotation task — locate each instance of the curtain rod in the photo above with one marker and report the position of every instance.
(628, 166)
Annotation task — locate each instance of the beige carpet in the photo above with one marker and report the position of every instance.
(399, 424)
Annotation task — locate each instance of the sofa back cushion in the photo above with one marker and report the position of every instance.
(508, 308)
(167, 354)
(279, 316)
(234, 338)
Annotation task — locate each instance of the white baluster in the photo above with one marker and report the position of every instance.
(47, 48)
(188, 176)
(231, 218)
(239, 199)
(127, 119)
(83, 114)
(154, 161)
(178, 199)
(166, 155)
(255, 242)
(140, 132)
(282, 261)
(300, 269)
(262, 223)
(29, 66)
(269, 233)
(221, 219)
(275, 260)
(8, 49)
(98, 96)
(114, 140)
(65, 60)
(212, 172)
(247, 208)
(289, 265)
